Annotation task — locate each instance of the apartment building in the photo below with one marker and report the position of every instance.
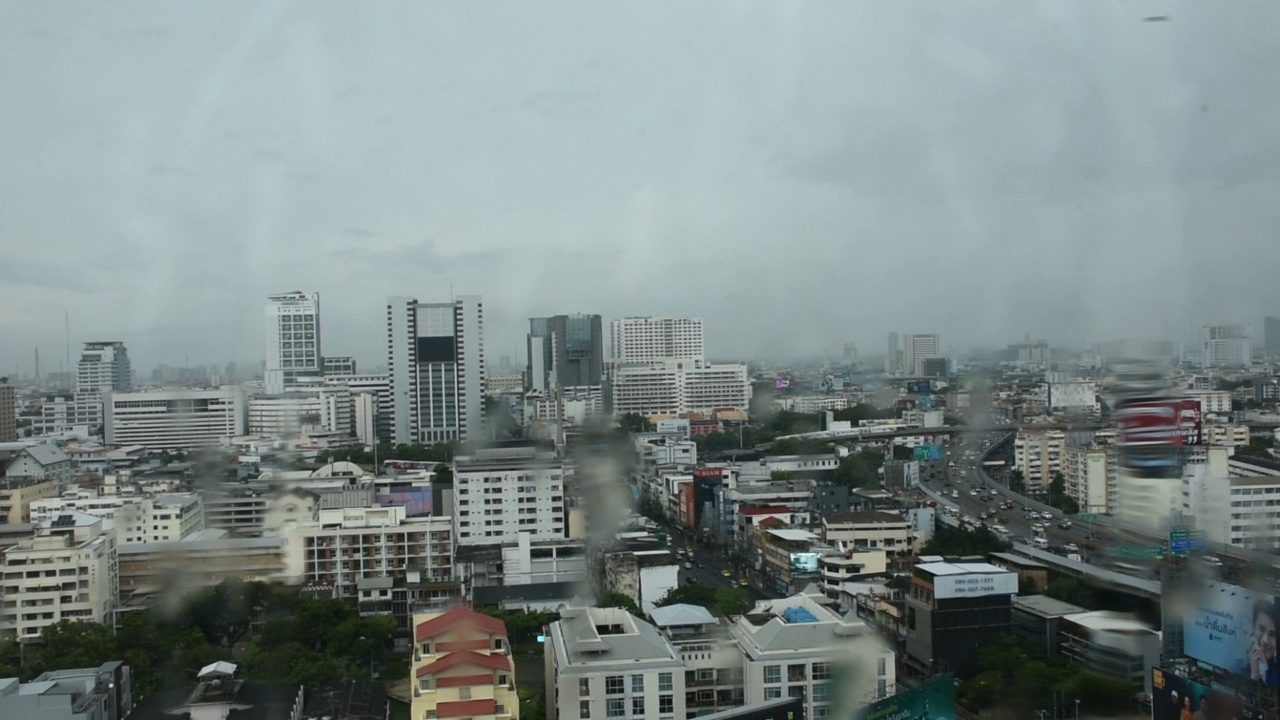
(103, 368)
(199, 560)
(848, 565)
(650, 339)
(799, 645)
(292, 340)
(1226, 435)
(679, 387)
(501, 493)
(338, 365)
(69, 570)
(8, 412)
(1239, 511)
(1212, 402)
(256, 510)
(344, 546)
(135, 519)
(462, 667)
(17, 494)
(713, 665)
(104, 692)
(871, 530)
(1225, 346)
(435, 357)
(918, 348)
(37, 462)
(306, 409)
(1038, 454)
(1090, 472)
(175, 419)
(607, 663)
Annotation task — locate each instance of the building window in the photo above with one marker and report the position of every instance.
(426, 648)
(706, 675)
(822, 671)
(616, 707)
(796, 673)
(424, 684)
(637, 683)
(666, 704)
(772, 693)
(637, 705)
(820, 691)
(882, 667)
(796, 691)
(664, 682)
(772, 674)
(584, 709)
(613, 685)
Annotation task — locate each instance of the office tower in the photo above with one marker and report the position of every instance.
(104, 367)
(176, 419)
(916, 348)
(891, 360)
(1225, 346)
(338, 365)
(650, 339)
(436, 367)
(1271, 334)
(565, 351)
(293, 340)
(8, 412)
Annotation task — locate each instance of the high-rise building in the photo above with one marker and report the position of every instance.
(336, 365)
(565, 351)
(176, 419)
(104, 367)
(502, 493)
(891, 360)
(293, 340)
(1225, 346)
(8, 412)
(1271, 334)
(435, 362)
(650, 339)
(916, 348)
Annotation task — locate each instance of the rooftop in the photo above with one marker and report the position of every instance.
(681, 614)
(1045, 606)
(1108, 621)
(1018, 561)
(590, 635)
(871, 517)
(946, 568)
(792, 535)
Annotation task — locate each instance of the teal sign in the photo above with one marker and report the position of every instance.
(1135, 552)
(935, 700)
(1185, 542)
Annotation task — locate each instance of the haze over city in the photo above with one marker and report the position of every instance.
(798, 175)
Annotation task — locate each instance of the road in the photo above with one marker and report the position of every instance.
(708, 566)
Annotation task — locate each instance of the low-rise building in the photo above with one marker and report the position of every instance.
(644, 575)
(199, 560)
(462, 667)
(1112, 644)
(1037, 620)
(253, 510)
(953, 610)
(38, 462)
(98, 693)
(713, 664)
(17, 494)
(175, 419)
(786, 557)
(872, 530)
(838, 568)
(136, 519)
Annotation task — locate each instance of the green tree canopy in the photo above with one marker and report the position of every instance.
(859, 470)
(618, 600)
(1075, 591)
(635, 423)
(949, 540)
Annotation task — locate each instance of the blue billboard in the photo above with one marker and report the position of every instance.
(1233, 629)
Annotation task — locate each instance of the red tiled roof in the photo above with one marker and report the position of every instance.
(493, 662)
(464, 681)
(466, 708)
(460, 615)
(764, 511)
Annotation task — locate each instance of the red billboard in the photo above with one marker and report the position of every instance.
(1150, 423)
(1189, 421)
(708, 472)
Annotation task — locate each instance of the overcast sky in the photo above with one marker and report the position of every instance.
(800, 174)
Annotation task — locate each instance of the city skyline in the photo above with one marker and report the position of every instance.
(997, 184)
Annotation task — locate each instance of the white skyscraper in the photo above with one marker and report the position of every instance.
(104, 367)
(293, 340)
(1225, 346)
(916, 348)
(650, 339)
(436, 367)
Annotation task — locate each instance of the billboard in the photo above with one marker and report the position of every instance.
(1149, 423)
(1173, 696)
(782, 709)
(805, 562)
(980, 584)
(1189, 421)
(781, 384)
(935, 700)
(927, 452)
(1233, 629)
(919, 387)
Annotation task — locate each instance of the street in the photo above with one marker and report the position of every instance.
(708, 566)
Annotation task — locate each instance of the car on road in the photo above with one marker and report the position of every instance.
(688, 565)
(743, 582)
(726, 573)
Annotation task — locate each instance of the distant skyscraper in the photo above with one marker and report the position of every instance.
(436, 367)
(293, 340)
(650, 339)
(1225, 346)
(8, 412)
(891, 359)
(104, 367)
(916, 348)
(1271, 334)
(565, 351)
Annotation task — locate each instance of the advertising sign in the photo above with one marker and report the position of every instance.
(919, 387)
(806, 562)
(1148, 423)
(1234, 629)
(925, 401)
(935, 700)
(927, 452)
(1176, 697)
(1189, 421)
(946, 587)
(781, 384)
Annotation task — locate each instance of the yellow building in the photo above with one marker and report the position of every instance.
(462, 667)
(17, 494)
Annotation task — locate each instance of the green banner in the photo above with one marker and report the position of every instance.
(1135, 552)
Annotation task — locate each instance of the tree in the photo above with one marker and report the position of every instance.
(855, 472)
(72, 644)
(618, 600)
(1017, 482)
(902, 452)
(1027, 585)
(730, 602)
(1074, 591)
(1058, 485)
(522, 626)
(444, 475)
(635, 423)
(224, 613)
(722, 602)
(949, 540)
(781, 475)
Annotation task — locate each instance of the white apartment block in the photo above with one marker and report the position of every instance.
(504, 384)
(923, 418)
(305, 410)
(1239, 511)
(1038, 454)
(104, 367)
(1212, 402)
(1149, 503)
(57, 416)
(811, 404)
(347, 545)
(606, 663)
(1090, 471)
(801, 646)
(871, 530)
(380, 418)
(435, 358)
(292, 340)
(135, 519)
(175, 419)
(916, 349)
(1225, 346)
(69, 570)
(680, 387)
(500, 494)
(338, 365)
(1080, 395)
(1226, 435)
(654, 339)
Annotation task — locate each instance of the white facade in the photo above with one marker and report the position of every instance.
(917, 348)
(323, 408)
(653, 339)
(811, 404)
(292, 340)
(1225, 346)
(346, 545)
(1078, 395)
(1090, 472)
(175, 419)
(500, 494)
(680, 387)
(364, 417)
(1038, 454)
(57, 416)
(164, 518)
(1212, 402)
(76, 576)
(1226, 435)
(923, 418)
(644, 575)
(104, 367)
(1150, 503)
(436, 367)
